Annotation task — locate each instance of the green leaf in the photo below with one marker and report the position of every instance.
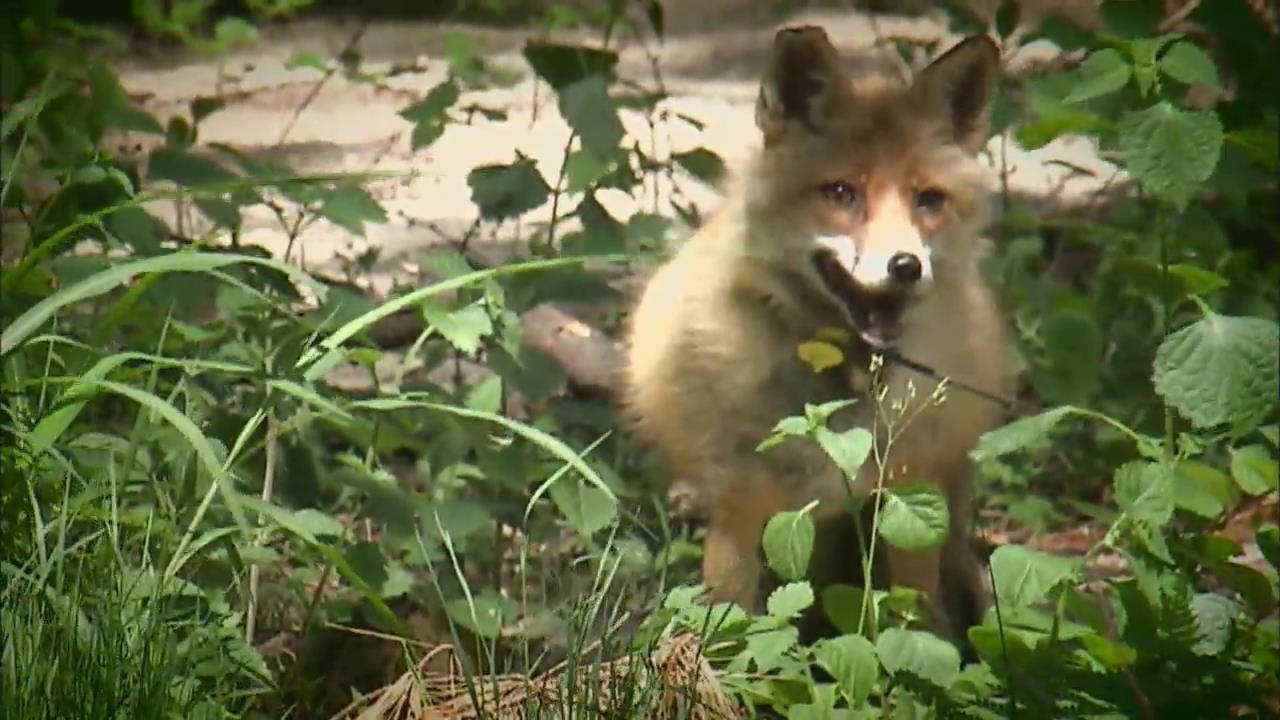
(851, 661)
(768, 648)
(1073, 346)
(1102, 73)
(702, 164)
(1220, 370)
(589, 110)
(1007, 17)
(584, 169)
(1144, 490)
(304, 58)
(232, 31)
(507, 191)
(186, 170)
(1023, 576)
(1171, 151)
(788, 543)
(486, 395)
(430, 115)
(1215, 616)
(562, 65)
(1268, 539)
(914, 518)
(919, 653)
(848, 449)
(585, 507)
(350, 207)
(1018, 434)
(1198, 280)
(790, 600)
(464, 329)
(1187, 63)
(1202, 489)
(1253, 469)
(482, 614)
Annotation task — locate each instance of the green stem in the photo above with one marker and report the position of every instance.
(1166, 310)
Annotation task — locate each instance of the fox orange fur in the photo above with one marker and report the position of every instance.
(861, 210)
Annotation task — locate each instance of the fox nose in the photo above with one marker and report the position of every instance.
(905, 268)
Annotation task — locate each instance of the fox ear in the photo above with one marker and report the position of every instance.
(961, 84)
(801, 81)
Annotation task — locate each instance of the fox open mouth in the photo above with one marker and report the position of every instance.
(877, 315)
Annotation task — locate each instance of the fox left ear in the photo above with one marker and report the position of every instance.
(962, 83)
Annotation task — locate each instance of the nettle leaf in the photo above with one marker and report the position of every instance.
(1187, 63)
(1253, 469)
(768, 648)
(1202, 489)
(586, 507)
(702, 164)
(589, 110)
(1018, 434)
(1102, 73)
(187, 170)
(1024, 576)
(507, 191)
(914, 518)
(922, 654)
(1215, 615)
(1171, 151)
(790, 600)
(350, 207)
(851, 661)
(464, 329)
(1144, 490)
(848, 449)
(430, 115)
(562, 65)
(788, 543)
(1220, 370)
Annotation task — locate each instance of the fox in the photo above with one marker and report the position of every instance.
(861, 210)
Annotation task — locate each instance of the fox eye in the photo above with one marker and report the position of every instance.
(840, 193)
(930, 200)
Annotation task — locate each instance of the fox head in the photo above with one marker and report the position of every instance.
(869, 187)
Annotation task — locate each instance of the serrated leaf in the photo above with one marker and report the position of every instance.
(788, 543)
(1102, 73)
(1187, 63)
(768, 648)
(1144, 490)
(589, 110)
(187, 170)
(1214, 618)
(914, 518)
(587, 508)
(350, 207)
(561, 65)
(922, 654)
(702, 164)
(507, 191)
(1023, 576)
(1202, 489)
(1018, 434)
(848, 449)
(1170, 151)
(1253, 469)
(1220, 370)
(851, 661)
(430, 115)
(464, 329)
(790, 600)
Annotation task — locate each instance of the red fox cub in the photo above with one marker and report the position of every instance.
(861, 211)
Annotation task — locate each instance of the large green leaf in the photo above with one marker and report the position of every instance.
(1023, 576)
(1171, 151)
(589, 110)
(914, 518)
(562, 65)
(922, 654)
(1019, 434)
(1103, 72)
(788, 543)
(1220, 370)
(851, 660)
(507, 191)
(1187, 63)
(1144, 490)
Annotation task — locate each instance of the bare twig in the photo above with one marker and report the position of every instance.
(315, 89)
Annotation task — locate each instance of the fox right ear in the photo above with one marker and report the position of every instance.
(802, 79)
